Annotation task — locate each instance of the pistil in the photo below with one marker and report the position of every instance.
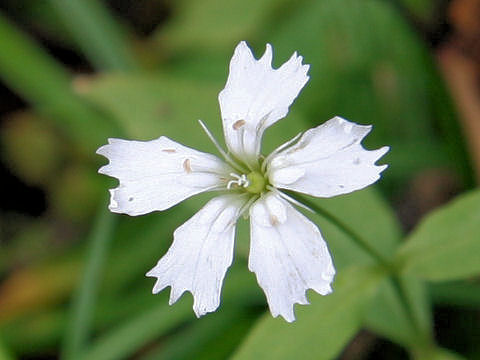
(257, 183)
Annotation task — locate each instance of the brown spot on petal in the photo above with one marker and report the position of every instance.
(238, 124)
(170, 151)
(187, 166)
(273, 220)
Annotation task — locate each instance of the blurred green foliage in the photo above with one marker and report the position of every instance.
(451, 233)
(367, 64)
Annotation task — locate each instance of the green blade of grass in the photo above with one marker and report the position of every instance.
(96, 33)
(84, 299)
(41, 81)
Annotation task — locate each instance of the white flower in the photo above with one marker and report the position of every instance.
(287, 251)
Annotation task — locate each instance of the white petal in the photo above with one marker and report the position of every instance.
(157, 174)
(287, 254)
(327, 160)
(256, 96)
(200, 255)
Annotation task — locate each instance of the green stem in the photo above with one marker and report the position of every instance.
(84, 299)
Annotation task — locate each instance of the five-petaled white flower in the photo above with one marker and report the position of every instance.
(287, 251)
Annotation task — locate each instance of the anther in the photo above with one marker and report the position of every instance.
(238, 124)
(187, 166)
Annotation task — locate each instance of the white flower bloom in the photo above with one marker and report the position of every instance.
(287, 251)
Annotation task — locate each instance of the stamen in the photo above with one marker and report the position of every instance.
(247, 206)
(227, 157)
(241, 180)
(289, 198)
(260, 128)
(242, 146)
(277, 150)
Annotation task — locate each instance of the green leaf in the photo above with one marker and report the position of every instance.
(445, 246)
(322, 328)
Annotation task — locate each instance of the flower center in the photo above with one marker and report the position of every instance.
(254, 182)
(257, 183)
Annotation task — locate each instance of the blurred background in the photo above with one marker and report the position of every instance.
(75, 72)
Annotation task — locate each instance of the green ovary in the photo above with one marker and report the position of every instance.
(257, 183)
